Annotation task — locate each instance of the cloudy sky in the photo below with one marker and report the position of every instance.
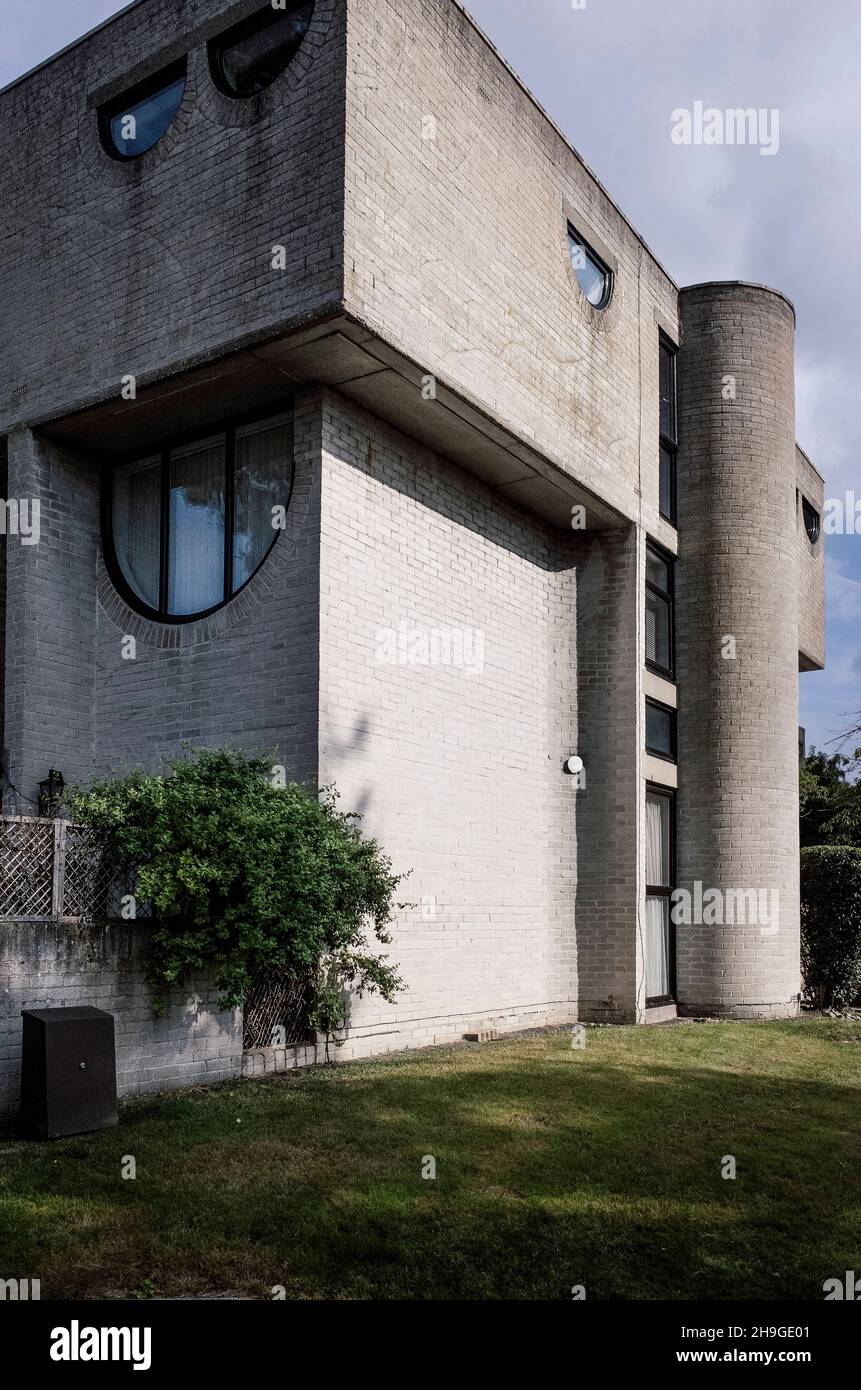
(611, 72)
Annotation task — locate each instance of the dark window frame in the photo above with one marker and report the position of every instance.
(163, 451)
(670, 443)
(132, 96)
(667, 672)
(655, 891)
(264, 18)
(605, 269)
(672, 757)
(812, 520)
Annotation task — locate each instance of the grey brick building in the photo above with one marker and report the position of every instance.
(350, 395)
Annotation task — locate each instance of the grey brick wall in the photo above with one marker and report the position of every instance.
(248, 674)
(609, 808)
(144, 267)
(45, 965)
(738, 577)
(4, 483)
(456, 248)
(52, 622)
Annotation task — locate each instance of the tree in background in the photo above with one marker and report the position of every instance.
(830, 800)
(831, 874)
(831, 924)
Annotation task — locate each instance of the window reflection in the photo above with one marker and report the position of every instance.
(138, 120)
(196, 549)
(191, 525)
(593, 276)
(249, 57)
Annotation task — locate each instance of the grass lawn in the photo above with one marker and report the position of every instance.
(555, 1167)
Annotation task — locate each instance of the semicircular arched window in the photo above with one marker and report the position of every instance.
(134, 122)
(188, 526)
(594, 276)
(812, 521)
(247, 59)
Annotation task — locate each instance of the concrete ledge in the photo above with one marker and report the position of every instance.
(661, 1013)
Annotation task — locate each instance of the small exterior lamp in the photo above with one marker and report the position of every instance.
(50, 792)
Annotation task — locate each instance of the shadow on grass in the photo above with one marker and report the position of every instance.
(553, 1169)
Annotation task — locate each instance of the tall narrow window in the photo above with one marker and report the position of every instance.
(660, 610)
(659, 936)
(669, 443)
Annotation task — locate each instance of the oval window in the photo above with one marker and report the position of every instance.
(137, 120)
(190, 525)
(247, 59)
(593, 275)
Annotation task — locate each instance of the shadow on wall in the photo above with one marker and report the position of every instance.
(400, 463)
(343, 750)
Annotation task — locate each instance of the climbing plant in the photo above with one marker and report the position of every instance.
(245, 875)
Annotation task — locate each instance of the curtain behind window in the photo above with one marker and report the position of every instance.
(137, 526)
(657, 946)
(196, 550)
(657, 841)
(264, 469)
(657, 942)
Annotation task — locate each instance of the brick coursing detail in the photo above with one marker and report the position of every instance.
(738, 578)
(45, 965)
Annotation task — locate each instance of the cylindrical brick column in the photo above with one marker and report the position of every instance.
(737, 639)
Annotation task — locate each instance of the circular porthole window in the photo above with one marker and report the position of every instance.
(188, 526)
(594, 276)
(131, 124)
(247, 59)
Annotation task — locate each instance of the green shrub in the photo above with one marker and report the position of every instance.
(246, 876)
(831, 923)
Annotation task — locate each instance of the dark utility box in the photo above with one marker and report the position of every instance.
(68, 1071)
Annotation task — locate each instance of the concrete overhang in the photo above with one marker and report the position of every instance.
(346, 356)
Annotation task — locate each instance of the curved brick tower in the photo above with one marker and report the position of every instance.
(737, 579)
